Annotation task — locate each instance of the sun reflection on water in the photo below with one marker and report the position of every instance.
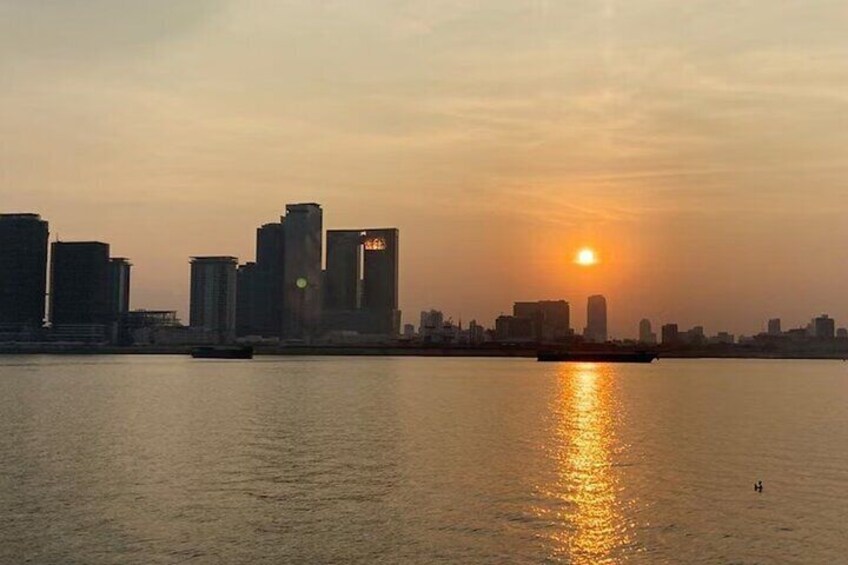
(584, 508)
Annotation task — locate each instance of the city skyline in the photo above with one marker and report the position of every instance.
(269, 245)
(499, 138)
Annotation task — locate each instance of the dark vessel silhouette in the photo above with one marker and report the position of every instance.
(597, 356)
(222, 352)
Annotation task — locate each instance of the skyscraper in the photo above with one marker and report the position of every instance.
(646, 335)
(302, 271)
(380, 280)
(80, 298)
(362, 281)
(119, 286)
(213, 295)
(119, 297)
(247, 297)
(596, 319)
(774, 326)
(23, 271)
(824, 327)
(551, 318)
(670, 334)
(343, 276)
(267, 280)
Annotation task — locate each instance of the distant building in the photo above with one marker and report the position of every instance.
(722, 338)
(431, 323)
(213, 295)
(514, 329)
(551, 319)
(824, 327)
(343, 277)
(476, 333)
(23, 272)
(645, 333)
(361, 282)
(266, 282)
(693, 336)
(302, 271)
(141, 326)
(119, 298)
(137, 319)
(596, 320)
(842, 333)
(408, 331)
(81, 300)
(670, 334)
(774, 326)
(249, 302)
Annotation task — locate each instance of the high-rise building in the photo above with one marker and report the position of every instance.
(774, 326)
(119, 287)
(119, 298)
(247, 297)
(361, 281)
(514, 329)
(431, 323)
(259, 310)
(267, 282)
(23, 271)
(646, 335)
(380, 265)
(213, 295)
(302, 271)
(670, 334)
(80, 293)
(824, 327)
(551, 319)
(344, 264)
(596, 320)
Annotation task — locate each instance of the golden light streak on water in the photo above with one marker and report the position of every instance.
(589, 525)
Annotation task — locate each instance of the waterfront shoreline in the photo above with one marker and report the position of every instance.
(386, 351)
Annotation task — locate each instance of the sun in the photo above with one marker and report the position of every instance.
(586, 257)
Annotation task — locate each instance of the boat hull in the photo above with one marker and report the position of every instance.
(222, 353)
(597, 356)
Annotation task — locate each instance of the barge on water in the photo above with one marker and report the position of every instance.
(222, 352)
(596, 356)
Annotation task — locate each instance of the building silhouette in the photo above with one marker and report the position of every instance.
(596, 320)
(301, 308)
(824, 327)
(514, 329)
(81, 307)
(670, 334)
(646, 335)
(343, 276)
(361, 281)
(267, 299)
(259, 310)
(119, 298)
(23, 272)
(247, 297)
(550, 319)
(774, 326)
(213, 295)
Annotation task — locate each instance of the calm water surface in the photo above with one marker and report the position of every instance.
(386, 460)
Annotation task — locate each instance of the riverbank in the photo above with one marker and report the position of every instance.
(389, 351)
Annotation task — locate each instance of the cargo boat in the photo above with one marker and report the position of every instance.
(222, 352)
(597, 356)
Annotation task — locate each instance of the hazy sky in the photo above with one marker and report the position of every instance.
(699, 146)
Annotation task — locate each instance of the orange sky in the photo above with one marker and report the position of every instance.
(699, 146)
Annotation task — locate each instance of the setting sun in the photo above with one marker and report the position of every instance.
(586, 257)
